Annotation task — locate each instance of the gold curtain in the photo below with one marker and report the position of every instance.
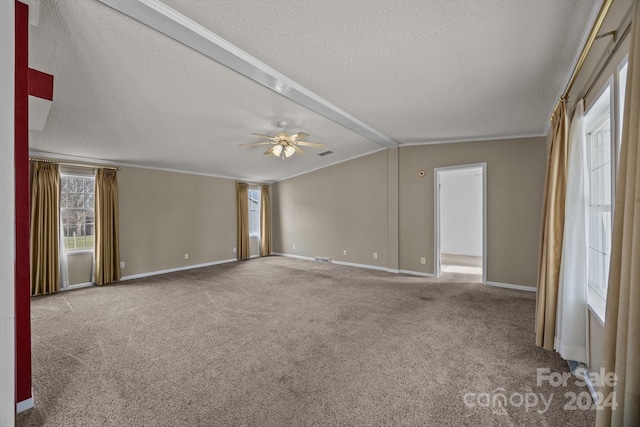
(621, 350)
(242, 203)
(107, 249)
(552, 230)
(45, 224)
(265, 221)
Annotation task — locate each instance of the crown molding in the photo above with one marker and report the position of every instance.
(488, 138)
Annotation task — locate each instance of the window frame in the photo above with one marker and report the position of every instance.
(254, 231)
(595, 295)
(596, 302)
(85, 250)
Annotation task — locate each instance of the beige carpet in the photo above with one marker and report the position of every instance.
(281, 342)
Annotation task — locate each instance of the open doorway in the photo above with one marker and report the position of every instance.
(460, 228)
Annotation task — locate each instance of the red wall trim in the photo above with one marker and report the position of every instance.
(40, 84)
(22, 279)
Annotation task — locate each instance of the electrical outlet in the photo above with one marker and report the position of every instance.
(344, 252)
(294, 246)
(375, 255)
(186, 256)
(423, 260)
(121, 264)
(235, 249)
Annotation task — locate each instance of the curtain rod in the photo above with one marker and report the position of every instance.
(602, 14)
(74, 164)
(624, 35)
(251, 183)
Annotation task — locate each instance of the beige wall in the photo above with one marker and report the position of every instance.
(352, 206)
(333, 209)
(515, 182)
(164, 215)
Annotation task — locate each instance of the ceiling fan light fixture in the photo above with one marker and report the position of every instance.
(289, 151)
(284, 145)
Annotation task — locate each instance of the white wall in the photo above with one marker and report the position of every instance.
(461, 212)
(7, 220)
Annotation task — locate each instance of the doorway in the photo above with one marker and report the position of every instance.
(461, 221)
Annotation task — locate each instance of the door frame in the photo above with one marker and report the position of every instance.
(437, 229)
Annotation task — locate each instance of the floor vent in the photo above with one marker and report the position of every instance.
(321, 259)
(326, 153)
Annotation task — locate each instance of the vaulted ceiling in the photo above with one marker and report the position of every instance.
(132, 87)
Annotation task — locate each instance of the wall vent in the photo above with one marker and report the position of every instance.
(322, 259)
(326, 153)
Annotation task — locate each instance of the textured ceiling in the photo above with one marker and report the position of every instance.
(417, 71)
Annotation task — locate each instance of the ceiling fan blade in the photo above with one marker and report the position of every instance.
(299, 135)
(299, 150)
(311, 144)
(255, 143)
(264, 136)
(270, 150)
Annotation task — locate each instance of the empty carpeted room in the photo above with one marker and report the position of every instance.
(294, 213)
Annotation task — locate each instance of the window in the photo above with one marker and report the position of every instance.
(77, 211)
(254, 211)
(599, 176)
(603, 128)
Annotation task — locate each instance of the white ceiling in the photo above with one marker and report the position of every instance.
(416, 71)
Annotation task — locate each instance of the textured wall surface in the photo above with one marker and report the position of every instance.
(164, 215)
(337, 208)
(347, 206)
(515, 183)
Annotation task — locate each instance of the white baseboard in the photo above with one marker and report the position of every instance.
(172, 270)
(306, 258)
(417, 273)
(367, 266)
(333, 261)
(25, 404)
(510, 286)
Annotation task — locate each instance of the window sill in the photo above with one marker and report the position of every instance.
(84, 252)
(597, 306)
(77, 286)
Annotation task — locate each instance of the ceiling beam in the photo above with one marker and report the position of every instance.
(169, 22)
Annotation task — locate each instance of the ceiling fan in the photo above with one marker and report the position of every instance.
(284, 145)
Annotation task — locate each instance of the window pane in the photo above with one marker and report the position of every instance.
(254, 211)
(77, 213)
(599, 195)
(88, 201)
(599, 250)
(63, 199)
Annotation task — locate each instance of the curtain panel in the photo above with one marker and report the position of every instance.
(265, 221)
(242, 215)
(45, 222)
(621, 350)
(572, 316)
(552, 230)
(107, 249)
